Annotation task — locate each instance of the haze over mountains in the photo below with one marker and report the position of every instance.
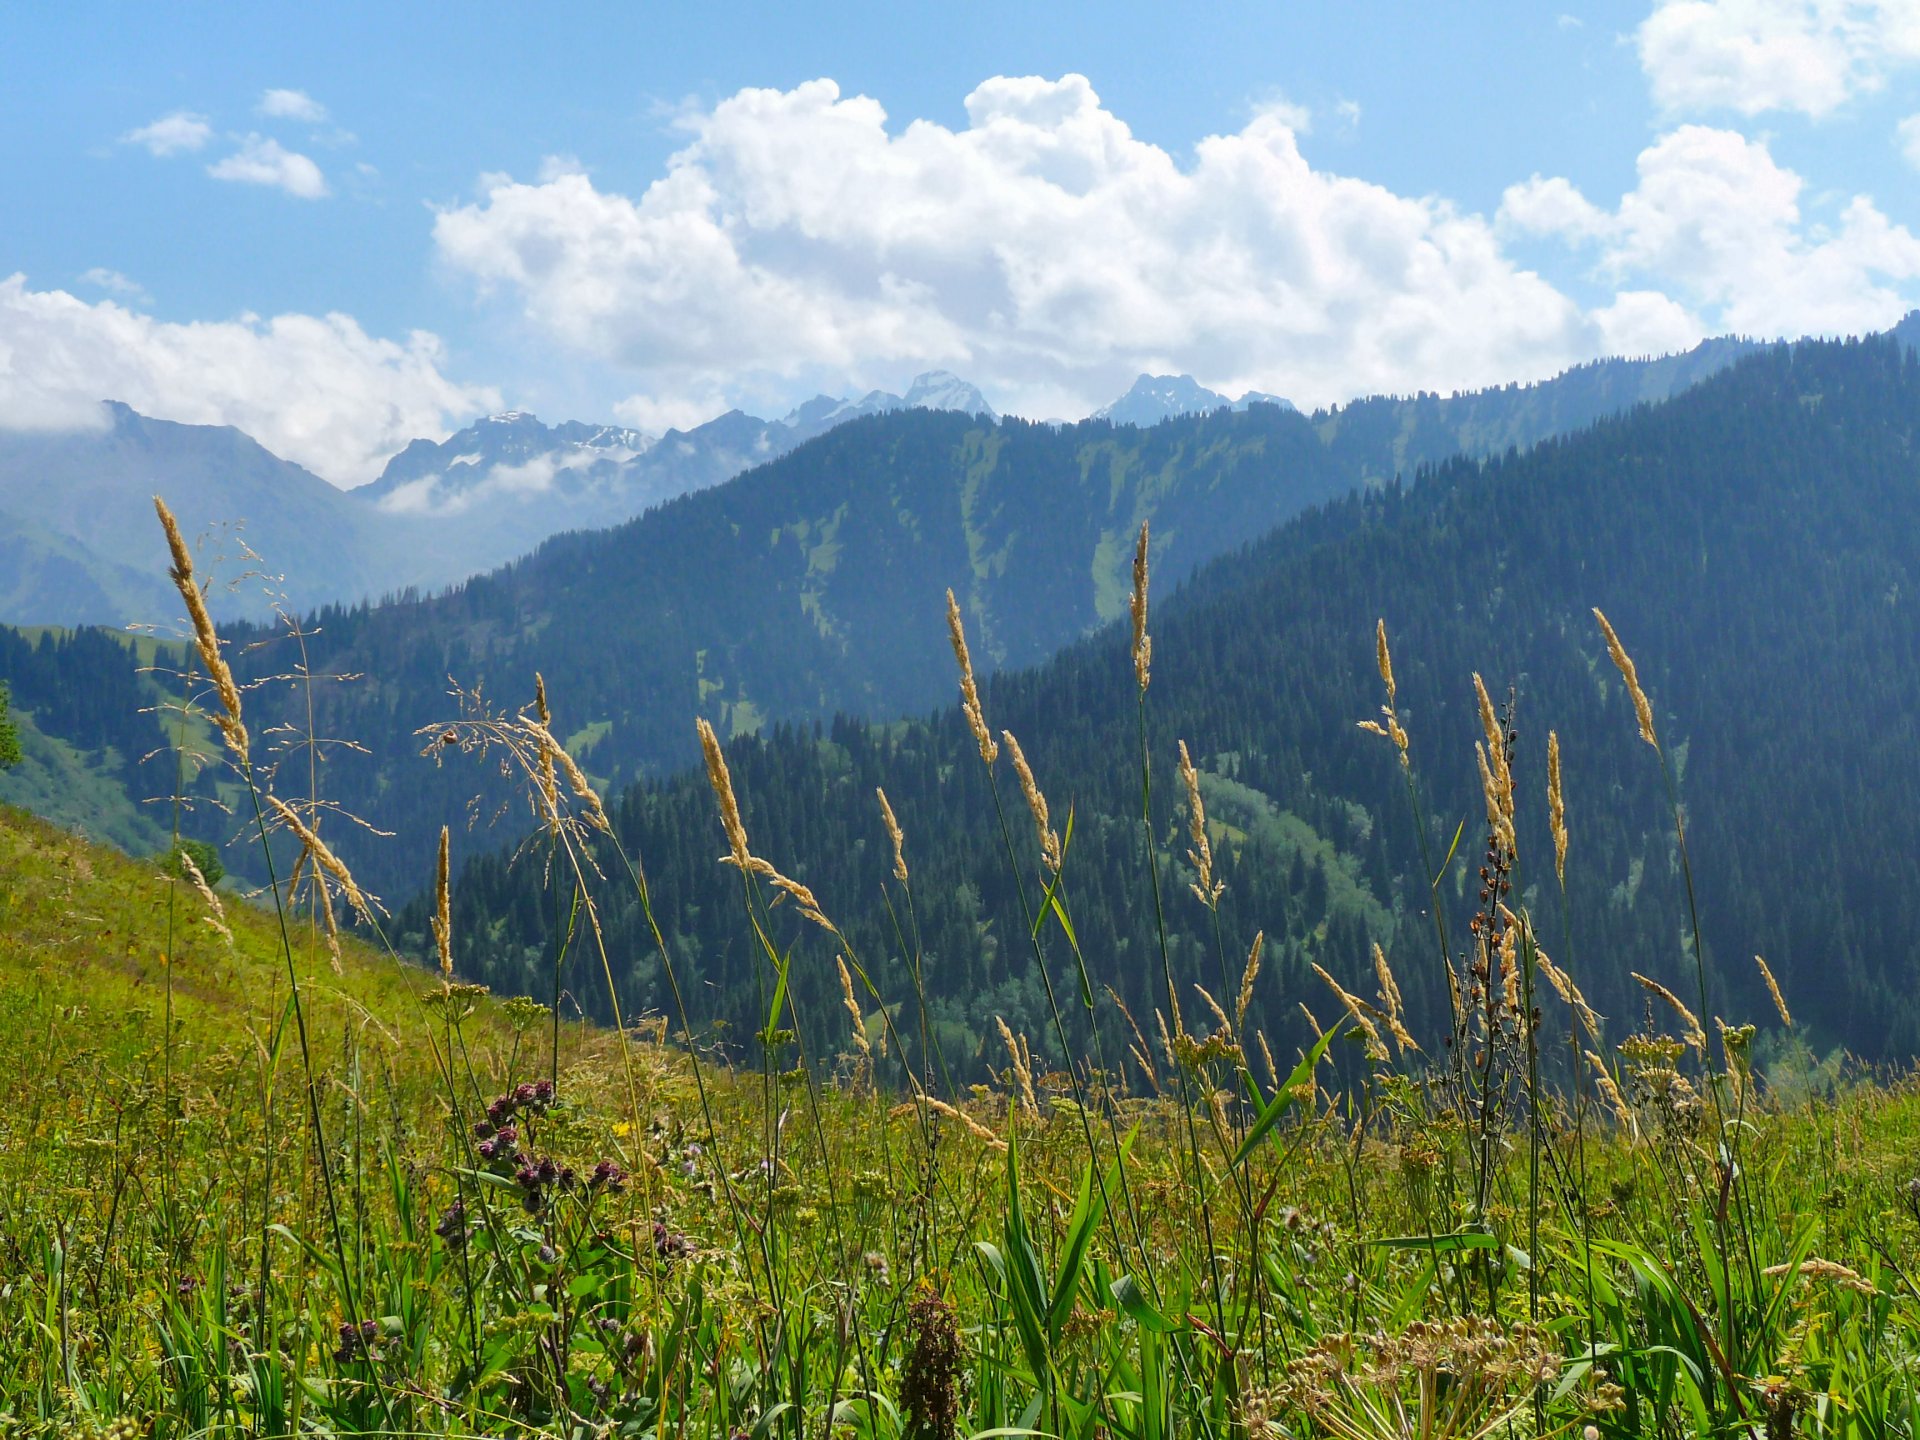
(79, 550)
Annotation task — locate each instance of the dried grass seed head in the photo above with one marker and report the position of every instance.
(443, 905)
(1623, 662)
(1050, 855)
(722, 782)
(969, 689)
(206, 640)
(1137, 606)
(1773, 990)
(894, 835)
(1556, 807)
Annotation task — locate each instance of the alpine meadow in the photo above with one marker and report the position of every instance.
(1388, 913)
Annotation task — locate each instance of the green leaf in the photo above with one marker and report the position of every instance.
(1302, 1075)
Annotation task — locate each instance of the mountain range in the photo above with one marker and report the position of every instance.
(77, 533)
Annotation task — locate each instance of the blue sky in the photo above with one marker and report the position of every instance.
(339, 227)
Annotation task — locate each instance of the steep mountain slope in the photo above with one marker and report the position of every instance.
(1757, 542)
(88, 493)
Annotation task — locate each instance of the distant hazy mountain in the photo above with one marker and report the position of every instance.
(86, 547)
(1154, 398)
(78, 543)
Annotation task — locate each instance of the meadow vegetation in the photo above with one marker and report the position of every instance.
(262, 1178)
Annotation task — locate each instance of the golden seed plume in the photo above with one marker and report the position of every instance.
(443, 905)
(1564, 987)
(1021, 1057)
(1247, 977)
(1390, 1002)
(859, 1026)
(1496, 748)
(722, 783)
(969, 691)
(332, 926)
(217, 919)
(549, 789)
(1142, 1052)
(1499, 817)
(893, 834)
(322, 856)
(1604, 1079)
(1773, 989)
(1219, 1016)
(1623, 662)
(800, 894)
(973, 1126)
(1142, 642)
(1273, 1071)
(1556, 807)
(1384, 659)
(552, 752)
(1510, 974)
(1696, 1036)
(1363, 1014)
(205, 639)
(1036, 803)
(1206, 888)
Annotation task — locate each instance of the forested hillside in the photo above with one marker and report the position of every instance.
(1757, 543)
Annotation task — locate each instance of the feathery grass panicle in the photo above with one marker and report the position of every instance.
(205, 639)
(1036, 803)
(1496, 748)
(443, 905)
(893, 834)
(801, 896)
(1564, 987)
(858, 1028)
(1610, 1091)
(973, 1127)
(1556, 807)
(1142, 1052)
(1363, 1015)
(1499, 817)
(1623, 662)
(1384, 659)
(549, 787)
(216, 918)
(553, 753)
(324, 858)
(1022, 1061)
(1391, 1003)
(1696, 1035)
(1773, 989)
(969, 690)
(1248, 975)
(1137, 605)
(722, 783)
(1205, 887)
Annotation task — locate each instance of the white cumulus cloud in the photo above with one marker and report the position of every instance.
(1042, 249)
(315, 389)
(1715, 224)
(292, 105)
(102, 278)
(262, 161)
(171, 134)
(1753, 56)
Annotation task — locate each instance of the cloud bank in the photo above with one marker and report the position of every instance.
(1050, 255)
(1752, 56)
(314, 389)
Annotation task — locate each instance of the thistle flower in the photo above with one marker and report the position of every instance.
(1036, 803)
(1623, 662)
(443, 907)
(722, 783)
(1773, 989)
(1142, 642)
(893, 834)
(206, 640)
